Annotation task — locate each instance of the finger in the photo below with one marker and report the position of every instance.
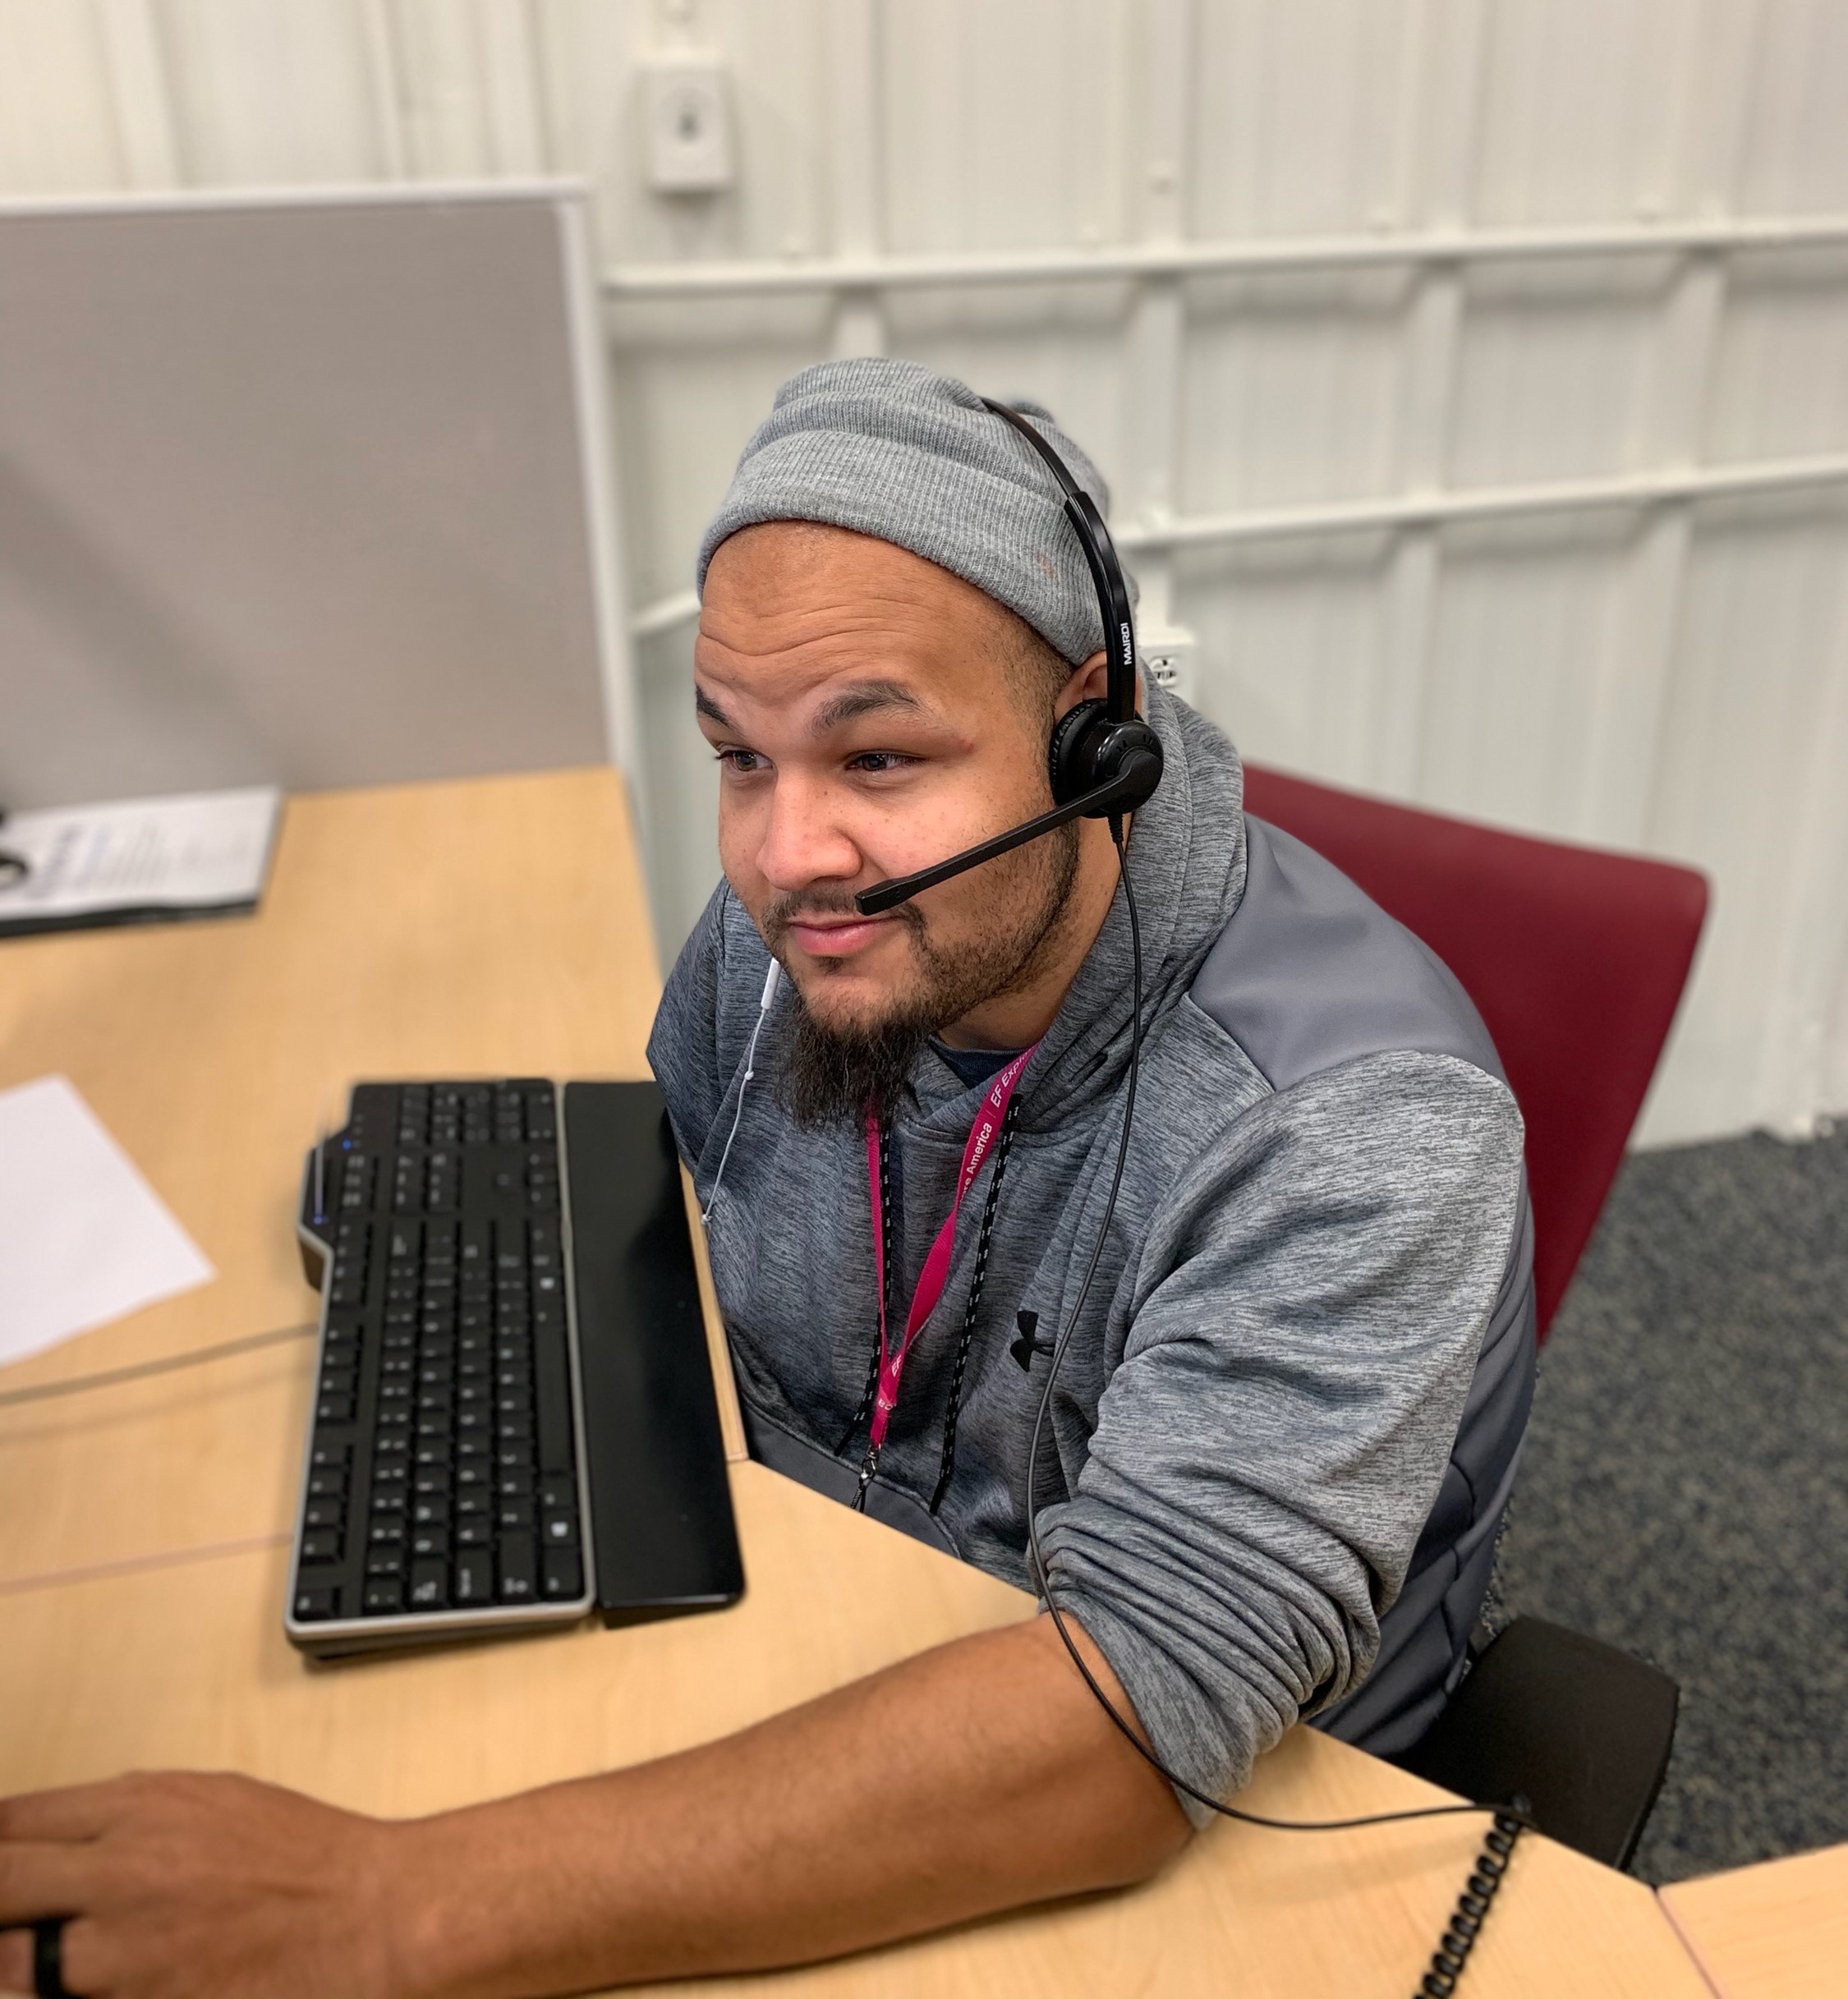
(15, 1960)
(84, 1954)
(78, 1812)
(44, 1881)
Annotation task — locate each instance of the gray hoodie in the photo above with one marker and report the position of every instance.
(1286, 1427)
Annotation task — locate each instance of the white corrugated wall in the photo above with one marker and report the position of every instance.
(1473, 373)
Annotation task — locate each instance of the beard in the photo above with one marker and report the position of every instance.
(840, 1074)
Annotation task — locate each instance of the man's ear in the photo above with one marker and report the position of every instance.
(1090, 681)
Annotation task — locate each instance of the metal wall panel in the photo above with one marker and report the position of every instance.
(1632, 650)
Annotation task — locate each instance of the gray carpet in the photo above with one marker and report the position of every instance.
(1684, 1494)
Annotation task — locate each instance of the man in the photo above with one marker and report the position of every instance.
(1284, 1430)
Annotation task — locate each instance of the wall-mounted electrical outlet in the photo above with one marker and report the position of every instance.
(1170, 654)
(685, 111)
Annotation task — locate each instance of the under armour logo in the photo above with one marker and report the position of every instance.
(1029, 1343)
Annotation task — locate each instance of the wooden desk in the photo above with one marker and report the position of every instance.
(188, 1666)
(498, 927)
(1778, 1931)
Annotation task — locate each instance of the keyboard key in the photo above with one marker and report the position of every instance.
(553, 1402)
(387, 1559)
(563, 1575)
(428, 1543)
(322, 1545)
(312, 1605)
(326, 1485)
(384, 1596)
(474, 1577)
(517, 1577)
(560, 1530)
(324, 1512)
(430, 1585)
(515, 1514)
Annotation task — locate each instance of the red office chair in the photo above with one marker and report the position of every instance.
(1575, 959)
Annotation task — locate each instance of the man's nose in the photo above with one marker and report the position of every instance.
(804, 841)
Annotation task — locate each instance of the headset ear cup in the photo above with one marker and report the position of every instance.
(1071, 756)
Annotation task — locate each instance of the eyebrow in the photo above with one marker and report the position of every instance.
(863, 697)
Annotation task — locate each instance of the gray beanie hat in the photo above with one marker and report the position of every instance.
(890, 449)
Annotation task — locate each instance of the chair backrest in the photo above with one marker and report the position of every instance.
(1574, 957)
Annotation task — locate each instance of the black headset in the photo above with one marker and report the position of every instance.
(1103, 759)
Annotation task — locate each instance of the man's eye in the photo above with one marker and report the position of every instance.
(878, 761)
(743, 762)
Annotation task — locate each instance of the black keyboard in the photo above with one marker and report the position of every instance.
(447, 1489)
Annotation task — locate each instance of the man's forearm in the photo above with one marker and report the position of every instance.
(976, 1777)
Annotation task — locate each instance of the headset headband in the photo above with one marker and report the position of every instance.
(1106, 566)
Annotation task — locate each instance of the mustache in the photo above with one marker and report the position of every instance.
(822, 899)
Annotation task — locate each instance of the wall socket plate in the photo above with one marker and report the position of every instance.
(1170, 659)
(686, 116)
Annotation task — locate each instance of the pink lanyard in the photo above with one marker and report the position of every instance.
(936, 1273)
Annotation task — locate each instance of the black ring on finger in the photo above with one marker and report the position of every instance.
(48, 1958)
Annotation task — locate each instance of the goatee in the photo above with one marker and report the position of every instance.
(837, 1074)
(840, 1075)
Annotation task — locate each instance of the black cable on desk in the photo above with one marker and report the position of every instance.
(172, 1364)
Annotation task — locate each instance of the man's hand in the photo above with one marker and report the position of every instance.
(198, 1887)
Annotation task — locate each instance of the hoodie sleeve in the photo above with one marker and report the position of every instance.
(1272, 1444)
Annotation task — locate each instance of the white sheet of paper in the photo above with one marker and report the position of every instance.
(206, 850)
(83, 1236)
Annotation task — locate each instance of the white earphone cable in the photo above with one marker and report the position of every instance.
(772, 979)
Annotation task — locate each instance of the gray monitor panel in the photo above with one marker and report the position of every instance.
(301, 491)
